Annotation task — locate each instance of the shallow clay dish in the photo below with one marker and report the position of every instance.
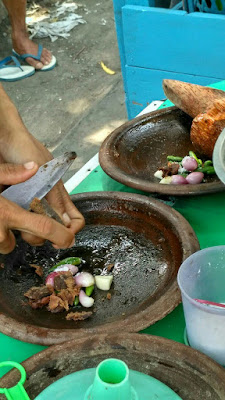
(134, 151)
(146, 241)
(191, 374)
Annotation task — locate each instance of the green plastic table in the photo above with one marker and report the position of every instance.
(206, 215)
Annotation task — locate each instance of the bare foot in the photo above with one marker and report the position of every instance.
(22, 45)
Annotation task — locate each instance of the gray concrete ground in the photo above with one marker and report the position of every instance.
(76, 105)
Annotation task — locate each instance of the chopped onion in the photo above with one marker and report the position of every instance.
(179, 180)
(68, 267)
(84, 279)
(195, 178)
(158, 174)
(167, 180)
(85, 300)
(189, 163)
(103, 282)
(50, 278)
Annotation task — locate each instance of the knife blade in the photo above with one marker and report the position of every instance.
(41, 183)
(219, 156)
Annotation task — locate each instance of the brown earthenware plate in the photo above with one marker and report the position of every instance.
(134, 151)
(189, 373)
(144, 239)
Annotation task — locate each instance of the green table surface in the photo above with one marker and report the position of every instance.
(206, 216)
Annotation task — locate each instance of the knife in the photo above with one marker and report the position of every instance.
(219, 156)
(40, 184)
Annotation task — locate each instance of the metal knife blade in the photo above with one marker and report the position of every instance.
(41, 183)
(219, 156)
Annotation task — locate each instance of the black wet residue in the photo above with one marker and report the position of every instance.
(140, 268)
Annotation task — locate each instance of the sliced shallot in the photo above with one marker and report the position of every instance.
(84, 279)
(85, 300)
(67, 267)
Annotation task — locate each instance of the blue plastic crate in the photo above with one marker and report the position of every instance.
(208, 6)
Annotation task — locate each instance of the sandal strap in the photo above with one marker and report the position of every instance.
(26, 55)
(5, 63)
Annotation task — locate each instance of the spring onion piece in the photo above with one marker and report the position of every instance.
(195, 177)
(68, 267)
(84, 279)
(85, 300)
(89, 290)
(103, 282)
(189, 163)
(68, 260)
(174, 158)
(76, 301)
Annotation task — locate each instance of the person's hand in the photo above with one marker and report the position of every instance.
(13, 217)
(23, 147)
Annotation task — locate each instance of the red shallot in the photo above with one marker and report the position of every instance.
(68, 267)
(179, 180)
(195, 178)
(189, 163)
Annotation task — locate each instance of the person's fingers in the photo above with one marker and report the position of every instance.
(77, 220)
(11, 174)
(71, 244)
(7, 241)
(32, 239)
(41, 226)
(60, 200)
(55, 199)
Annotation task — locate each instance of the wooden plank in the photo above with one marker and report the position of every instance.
(145, 86)
(174, 41)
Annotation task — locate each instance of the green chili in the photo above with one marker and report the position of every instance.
(89, 290)
(76, 301)
(208, 163)
(68, 260)
(209, 170)
(174, 158)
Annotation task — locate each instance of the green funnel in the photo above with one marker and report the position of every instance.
(111, 382)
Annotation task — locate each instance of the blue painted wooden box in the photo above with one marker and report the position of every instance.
(157, 43)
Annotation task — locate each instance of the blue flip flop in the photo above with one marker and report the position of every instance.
(15, 71)
(48, 67)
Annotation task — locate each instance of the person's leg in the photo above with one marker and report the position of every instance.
(20, 39)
